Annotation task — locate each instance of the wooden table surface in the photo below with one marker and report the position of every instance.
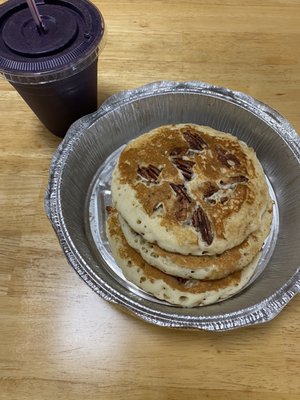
(58, 339)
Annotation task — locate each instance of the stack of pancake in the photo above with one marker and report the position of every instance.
(190, 213)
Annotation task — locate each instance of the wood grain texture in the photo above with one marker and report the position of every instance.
(58, 340)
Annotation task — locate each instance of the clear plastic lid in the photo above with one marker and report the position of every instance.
(73, 31)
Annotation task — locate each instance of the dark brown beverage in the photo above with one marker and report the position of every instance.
(55, 71)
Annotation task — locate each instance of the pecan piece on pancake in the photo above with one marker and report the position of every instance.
(223, 199)
(183, 201)
(182, 213)
(202, 224)
(209, 190)
(177, 151)
(226, 158)
(185, 166)
(234, 179)
(181, 192)
(150, 173)
(194, 140)
(238, 179)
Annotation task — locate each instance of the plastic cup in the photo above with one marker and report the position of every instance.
(54, 71)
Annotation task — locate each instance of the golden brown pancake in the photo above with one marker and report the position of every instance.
(205, 266)
(190, 189)
(183, 292)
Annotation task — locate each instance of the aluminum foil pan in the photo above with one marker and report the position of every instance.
(79, 190)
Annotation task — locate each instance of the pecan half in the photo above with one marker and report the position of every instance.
(180, 192)
(223, 199)
(183, 200)
(226, 158)
(234, 179)
(210, 190)
(185, 166)
(202, 224)
(194, 140)
(150, 173)
(177, 151)
(182, 213)
(238, 179)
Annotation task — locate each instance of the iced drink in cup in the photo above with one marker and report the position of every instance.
(55, 69)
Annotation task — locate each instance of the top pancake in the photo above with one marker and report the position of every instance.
(190, 189)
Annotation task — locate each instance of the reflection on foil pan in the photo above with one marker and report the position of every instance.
(79, 190)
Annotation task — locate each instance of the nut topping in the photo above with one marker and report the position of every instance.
(180, 192)
(210, 190)
(194, 141)
(185, 166)
(234, 179)
(226, 158)
(202, 224)
(149, 173)
(177, 151)
(239, 179)
(182, 213)
(183, 200)
(223, 199)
